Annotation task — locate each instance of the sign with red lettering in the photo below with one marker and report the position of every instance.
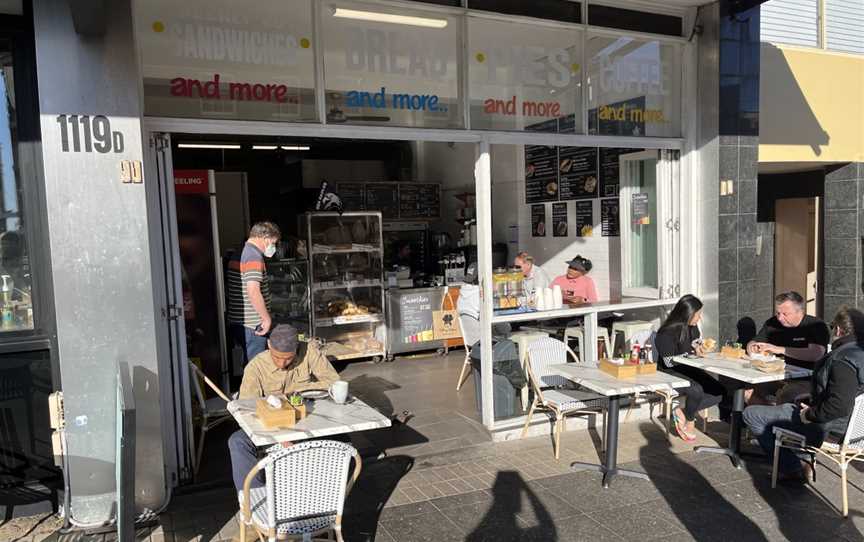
(191, 181)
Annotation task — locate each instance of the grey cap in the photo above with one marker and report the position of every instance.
(471, 273)
(284, 338)
(580, 264)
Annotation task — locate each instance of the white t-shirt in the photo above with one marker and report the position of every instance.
(536, 279)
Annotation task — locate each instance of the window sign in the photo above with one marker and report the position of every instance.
(524, 77)
(634, 87)
(207, 58)
(391, 66)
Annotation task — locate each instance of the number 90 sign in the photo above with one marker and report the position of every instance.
(93, 132)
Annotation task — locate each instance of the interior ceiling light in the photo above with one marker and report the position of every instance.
(295, 148)
(264, 147)
(388, 18)
(207, 146)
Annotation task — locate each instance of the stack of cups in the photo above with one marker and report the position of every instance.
(540, 302)
(549, 299)
(558, 297)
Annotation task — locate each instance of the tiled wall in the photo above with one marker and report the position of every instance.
(746, 259)
(844, 228)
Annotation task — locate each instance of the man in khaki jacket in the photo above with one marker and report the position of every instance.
(287, 366)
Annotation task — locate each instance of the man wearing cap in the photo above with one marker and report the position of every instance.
(287, 366)
(577, 287)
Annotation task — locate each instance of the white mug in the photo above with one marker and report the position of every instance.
(339, 391)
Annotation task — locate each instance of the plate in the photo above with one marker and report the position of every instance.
(314, 394)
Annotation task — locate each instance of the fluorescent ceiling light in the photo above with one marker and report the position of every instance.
(264, 147)
(388, 18)
(295, 148)
(207, 146)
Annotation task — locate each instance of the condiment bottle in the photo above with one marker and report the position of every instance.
(634, 354)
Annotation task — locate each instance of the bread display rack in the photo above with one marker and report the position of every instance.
(347, 283)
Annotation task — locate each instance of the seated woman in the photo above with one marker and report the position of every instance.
(679, 335)
(577, 287)
(837, 379)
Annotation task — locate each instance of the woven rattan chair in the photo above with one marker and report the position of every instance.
(214, 411)
(850, 449)
(550, 392)
(304, 492)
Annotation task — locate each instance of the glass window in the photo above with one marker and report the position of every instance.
(634, 87)
(207, 58)
(391, 66)
(555, 10)
(16, 306)
(637, 21)
(524, 77)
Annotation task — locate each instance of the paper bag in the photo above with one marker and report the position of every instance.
(445, 325)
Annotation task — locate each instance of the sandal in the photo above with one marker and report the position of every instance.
(679, 428)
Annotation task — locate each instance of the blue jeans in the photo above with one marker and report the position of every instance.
(244, 456)
(251, 343)
(763, 419)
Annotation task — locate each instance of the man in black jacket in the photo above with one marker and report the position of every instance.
(836, 381)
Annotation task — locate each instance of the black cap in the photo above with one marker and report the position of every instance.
(284, 339)
(580, 264)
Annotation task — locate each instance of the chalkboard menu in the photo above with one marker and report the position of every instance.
(419, 200)
(541, 173)
(609, 219)
(538, 221)
(559, 219)
(353, 196)
(610, 170)
(415, 318)
(577, 168)
(383, 197)
(639, 209)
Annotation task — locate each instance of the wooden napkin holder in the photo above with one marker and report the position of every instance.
(627, 370)
(272, 418)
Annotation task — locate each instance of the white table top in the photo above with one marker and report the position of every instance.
(597, 381)
(739, 370)
(324, 418)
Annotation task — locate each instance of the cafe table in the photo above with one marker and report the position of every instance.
(615, 389)
(744, 377)
(324, 418)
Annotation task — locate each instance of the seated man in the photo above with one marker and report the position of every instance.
(792, 333)
(836, 381)
(468, 307)
(287, 366)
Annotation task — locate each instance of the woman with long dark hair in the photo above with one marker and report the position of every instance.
(680, 335)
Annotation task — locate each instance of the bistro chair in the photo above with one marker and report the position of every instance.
(850, 449)
(469, 326)
(304, 492)
(550, 392)
(214, 411)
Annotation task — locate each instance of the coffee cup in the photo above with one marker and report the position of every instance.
(339, 391)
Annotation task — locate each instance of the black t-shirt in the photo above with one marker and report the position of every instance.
(668, 343)
(810, 331)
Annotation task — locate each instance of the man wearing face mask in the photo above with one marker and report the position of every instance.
(249, 290)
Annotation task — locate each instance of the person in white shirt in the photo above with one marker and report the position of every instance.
(468, 307)
(535, 277)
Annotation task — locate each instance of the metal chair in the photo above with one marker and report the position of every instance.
(850, 449)
(304, 492)
(469, 326)
(214, 411)
(542, 354)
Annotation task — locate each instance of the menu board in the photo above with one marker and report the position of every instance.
(416, 319)
(541, 173)
(577, 167)
(383, 197)
(538, 221)
(559, 219)
(585, 218)
(610, 171)
(609, 220)
(419, 200)
(353, 196)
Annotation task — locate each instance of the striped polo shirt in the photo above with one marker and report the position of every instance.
(248, 266)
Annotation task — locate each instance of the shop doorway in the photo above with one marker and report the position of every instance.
(412, 204)
(797, 235)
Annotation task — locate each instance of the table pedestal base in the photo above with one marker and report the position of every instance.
(608, 474)
(734, 447)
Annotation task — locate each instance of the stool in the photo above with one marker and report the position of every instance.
(575, 331)
(522, 340)
(628, 329)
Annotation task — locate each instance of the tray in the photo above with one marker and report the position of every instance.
(626, 370)
(284, 417)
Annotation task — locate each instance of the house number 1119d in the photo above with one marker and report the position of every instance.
(88, 134)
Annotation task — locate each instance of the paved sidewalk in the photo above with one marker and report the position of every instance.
(517, 491)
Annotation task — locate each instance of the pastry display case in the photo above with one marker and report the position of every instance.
(289, 293)
(347, 283)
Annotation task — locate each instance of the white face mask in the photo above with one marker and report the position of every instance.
(270, 250)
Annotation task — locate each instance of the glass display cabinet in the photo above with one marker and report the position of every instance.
(347, 283)
(289, 293)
